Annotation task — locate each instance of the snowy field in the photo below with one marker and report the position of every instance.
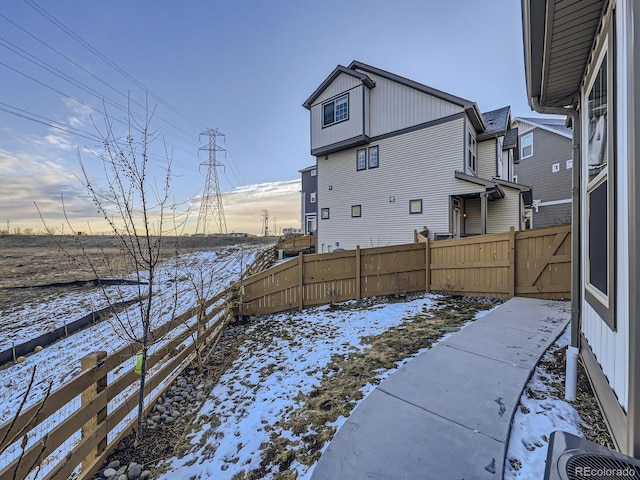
(60, 361)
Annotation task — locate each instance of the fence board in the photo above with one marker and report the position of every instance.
(530, 263)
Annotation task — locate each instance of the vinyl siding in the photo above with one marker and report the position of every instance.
(344, 130)
(415, 165)
(487, 159)
(395, 106)
(610, 348)
(505, 212)
(536, 171)
(473, 222)
(552, 215)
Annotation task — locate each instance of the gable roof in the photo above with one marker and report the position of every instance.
(332, 76)
(496, 121)
(356, 69)
(553, 125)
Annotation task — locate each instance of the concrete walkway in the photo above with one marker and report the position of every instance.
(447, 413)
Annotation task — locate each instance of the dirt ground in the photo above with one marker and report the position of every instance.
(39, 266)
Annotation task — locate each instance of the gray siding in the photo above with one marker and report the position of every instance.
(552, 215)
(505, 212)
(536, 171)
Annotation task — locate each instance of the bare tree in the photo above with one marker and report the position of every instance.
(140, 216)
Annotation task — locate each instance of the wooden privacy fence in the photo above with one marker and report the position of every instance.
(83, 401)
(530, 263)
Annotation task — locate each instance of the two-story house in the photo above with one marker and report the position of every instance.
(309, 206)
(546, 164)
(394, 156)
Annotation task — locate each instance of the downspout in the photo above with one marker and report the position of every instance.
(576, 238)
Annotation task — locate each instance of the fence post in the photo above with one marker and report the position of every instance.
(94, 361)
(427, 265)
(301, 281)
(358, 270)
(512, 262)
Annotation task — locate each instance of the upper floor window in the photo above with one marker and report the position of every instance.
(336, 110)
(313, 172)
(361, 159)
(312, 197)
(569, 164)
(471, 152)
(526, 145)
(374, 159)
(555, 167)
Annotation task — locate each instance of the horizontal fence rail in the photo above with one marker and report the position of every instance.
(530, 263)
(98, 414)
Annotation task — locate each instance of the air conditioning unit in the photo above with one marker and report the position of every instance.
(574, 458)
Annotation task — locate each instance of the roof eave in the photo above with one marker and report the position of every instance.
(332, 76)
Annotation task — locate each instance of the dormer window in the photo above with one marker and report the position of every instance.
(337, 110)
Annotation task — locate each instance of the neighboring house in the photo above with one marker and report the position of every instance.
(546, 164)
(394, 155)
(600, 90)
(309, 200)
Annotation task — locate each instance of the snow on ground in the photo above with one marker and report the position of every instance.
(261, 386)
(60, 361)
(540, 413)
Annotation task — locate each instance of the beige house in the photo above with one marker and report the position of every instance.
(394, 155)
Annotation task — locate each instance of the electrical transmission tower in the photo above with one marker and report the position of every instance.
(211, 209)
(265, 222)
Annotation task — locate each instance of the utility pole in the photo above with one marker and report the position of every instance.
(265, 222)
(211, 208)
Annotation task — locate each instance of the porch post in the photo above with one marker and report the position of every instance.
(483, 212)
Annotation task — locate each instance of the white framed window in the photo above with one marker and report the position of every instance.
(313, 172)
(471, 151)
(555, 167)
(324, 213)
(335, 111)
(361, 159)
(599, 121)
(415, 206)
(569, 164)
(312, 197)
(374, 157)
(526, 145)
(356, 211)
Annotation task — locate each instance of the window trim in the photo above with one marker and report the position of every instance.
(334, 101)
(411, 205)
(603, 303)
(375, 148)
(313, 172)
(569, 164)
(312, 197)
(555, 167)
(523, 146)
(472, 152)
(354, 209)
(364, 159)
(324, 213)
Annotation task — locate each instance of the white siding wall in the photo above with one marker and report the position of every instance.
(353, 127)
(416, 165)
(487, 159)
(504, 213)
(395, 106)
(612, 348)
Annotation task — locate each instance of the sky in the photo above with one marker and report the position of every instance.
(242, 67)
